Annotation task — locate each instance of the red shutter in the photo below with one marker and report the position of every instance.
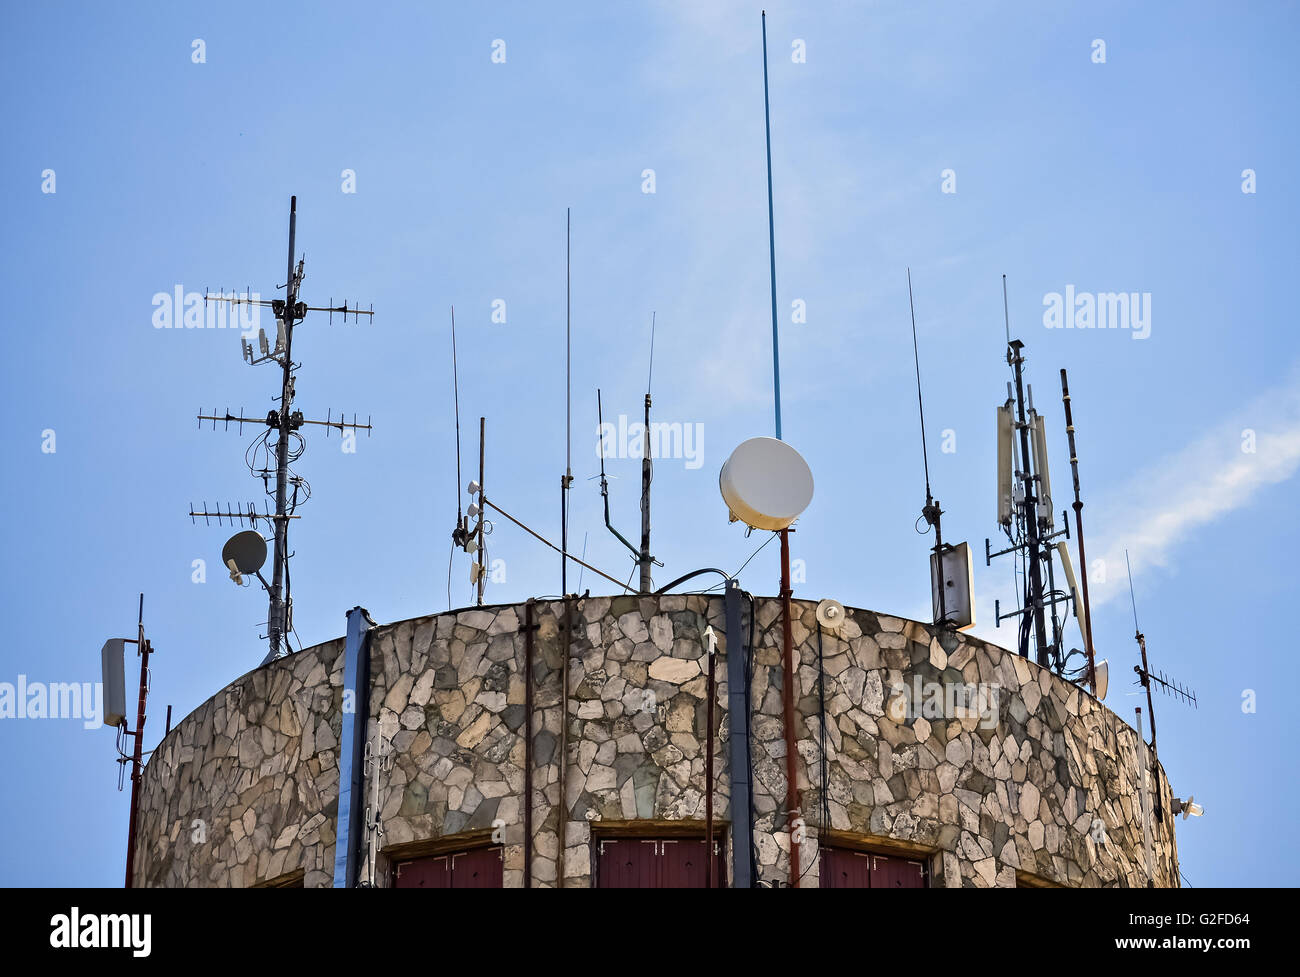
(892, 872)
(627, 864)
(425, 873)
(844, 869)
(478, 868)
(668, 863)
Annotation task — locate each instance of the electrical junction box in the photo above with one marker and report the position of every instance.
(958, 582)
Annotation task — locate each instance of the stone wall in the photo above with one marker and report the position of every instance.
(1021, 784)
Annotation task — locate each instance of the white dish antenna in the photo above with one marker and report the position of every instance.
(1100, 679)
(830, 615)
(766, 484)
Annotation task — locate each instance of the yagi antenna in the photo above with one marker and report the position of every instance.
(1146, 678)
(281, 443)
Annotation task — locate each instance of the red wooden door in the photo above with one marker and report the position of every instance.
(892, 872)
(424, 873)
(478, 868)
(627, 863)
(668, 863)
(681, 862)
(841, 868)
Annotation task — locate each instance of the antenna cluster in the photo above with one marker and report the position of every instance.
(280, 444)
(1027, 517)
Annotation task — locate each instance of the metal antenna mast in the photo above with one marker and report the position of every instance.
(1025, 501)
(1078, 527)
(931, 512)
(284, 424)
(567, 479)
(1145, 678)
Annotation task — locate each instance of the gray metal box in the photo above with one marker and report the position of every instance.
(113, 660)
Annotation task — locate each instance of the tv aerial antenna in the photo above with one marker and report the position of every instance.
(951, 574)
(1025, 514)
(269, 458)
(1147, 679)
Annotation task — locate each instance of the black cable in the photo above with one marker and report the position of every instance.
(694, 573)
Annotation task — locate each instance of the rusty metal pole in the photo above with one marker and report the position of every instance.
(482, 516)
(787, 690)
(142, 644)
(562, 819)
(708, 769)
(528, 743)
(1078, 525)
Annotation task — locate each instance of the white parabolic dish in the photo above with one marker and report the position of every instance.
(766, 483)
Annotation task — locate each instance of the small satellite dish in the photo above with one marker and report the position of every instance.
(766, 484)
(244, 553)
(830, 614)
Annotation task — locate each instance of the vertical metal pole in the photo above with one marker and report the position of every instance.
(352, 777)
(1078, 525)
(771, 240)
(142, 646)
(528, 743)
(1151, 711)
(1029, 509)
(567, 480)
(787, 696)
(562, 821)
(1146, 802)
(647, 473)
(742, 825)
(276, 616)
(708, 772)
(482, 516)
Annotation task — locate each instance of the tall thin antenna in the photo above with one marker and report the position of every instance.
(567, 480)
(1132, 599)
(650, 376)
(771, 241)
(455, 382)
(1006, 315)
(920, 405)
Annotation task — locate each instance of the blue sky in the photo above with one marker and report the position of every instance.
(1117, 176)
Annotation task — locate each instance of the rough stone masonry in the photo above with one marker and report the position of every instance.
(244, 790)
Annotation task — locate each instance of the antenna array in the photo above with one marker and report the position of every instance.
(1026, 516)
(270, 456)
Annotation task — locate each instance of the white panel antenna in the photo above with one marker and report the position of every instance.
(1006, 464)
(958, 587)
(1039, 443)
(113, 661)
